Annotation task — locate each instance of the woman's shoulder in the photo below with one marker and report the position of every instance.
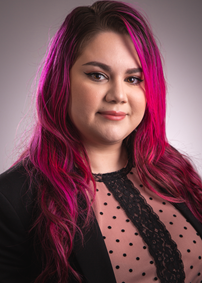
(17, 175)
(16, 192)
(18, 261)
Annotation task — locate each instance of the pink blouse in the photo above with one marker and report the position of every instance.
(159, 229)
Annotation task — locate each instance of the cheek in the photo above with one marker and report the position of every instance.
(143, 104)
(138, 103)
(83, 101)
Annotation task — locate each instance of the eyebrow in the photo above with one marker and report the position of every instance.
(108, 69)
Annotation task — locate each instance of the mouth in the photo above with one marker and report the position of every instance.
(113, 115)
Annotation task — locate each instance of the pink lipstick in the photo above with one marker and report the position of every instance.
(113, 115)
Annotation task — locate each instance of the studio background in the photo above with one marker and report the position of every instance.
(27, 26)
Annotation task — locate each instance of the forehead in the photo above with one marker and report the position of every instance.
(110, 48)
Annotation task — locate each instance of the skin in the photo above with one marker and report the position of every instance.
(118, 87)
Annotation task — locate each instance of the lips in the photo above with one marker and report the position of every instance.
(113, 115)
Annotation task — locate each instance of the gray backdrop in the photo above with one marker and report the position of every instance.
(25, 28)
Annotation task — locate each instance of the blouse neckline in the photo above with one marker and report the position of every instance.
(113, 175)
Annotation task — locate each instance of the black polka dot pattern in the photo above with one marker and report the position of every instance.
(123, 248)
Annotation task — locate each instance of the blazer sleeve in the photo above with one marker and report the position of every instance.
(16, 249)
(19, 260)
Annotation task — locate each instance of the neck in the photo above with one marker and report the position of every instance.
(106, 159)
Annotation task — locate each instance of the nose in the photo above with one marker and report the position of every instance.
(116, 92)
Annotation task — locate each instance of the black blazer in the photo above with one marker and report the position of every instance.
(18, 259)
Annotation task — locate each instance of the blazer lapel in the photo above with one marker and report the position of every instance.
(93, 257)
(190, 217)
(185, 211)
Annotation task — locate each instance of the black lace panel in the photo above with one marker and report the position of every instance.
(154, 233)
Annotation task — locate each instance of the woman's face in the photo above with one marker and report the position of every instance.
(107, 92)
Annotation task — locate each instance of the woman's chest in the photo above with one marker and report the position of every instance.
(144, 238)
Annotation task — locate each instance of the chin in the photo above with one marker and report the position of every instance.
(114, 139)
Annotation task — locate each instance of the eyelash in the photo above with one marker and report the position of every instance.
(91, 74)
(95, 74)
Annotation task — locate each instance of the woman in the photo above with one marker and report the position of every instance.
(100, 195)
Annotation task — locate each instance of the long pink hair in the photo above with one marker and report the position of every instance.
(57, 155)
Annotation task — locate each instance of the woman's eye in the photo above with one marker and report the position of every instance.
(134, 80)
(96, 76)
